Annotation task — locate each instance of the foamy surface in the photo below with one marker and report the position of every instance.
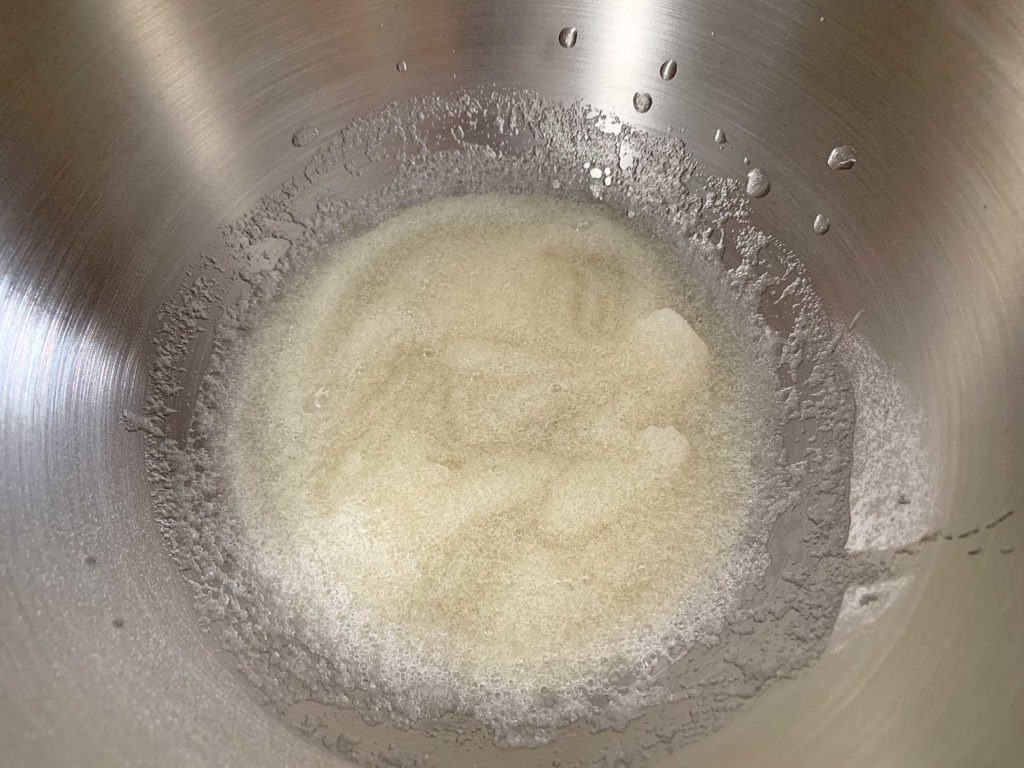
(483, 443)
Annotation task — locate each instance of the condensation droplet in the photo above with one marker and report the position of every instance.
(720, 136)
(842, 158)
(567, 37)
(668, 69)
(758, 183)
(642, 101)
(401, 66)
(821, 225)
(305, 136)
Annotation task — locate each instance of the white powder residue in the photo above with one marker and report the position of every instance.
(892, 486)
(862, 606)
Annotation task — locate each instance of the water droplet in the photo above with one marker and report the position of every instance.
(118, 623)
(607, 181)
(758, 183)
(567, 37)
(668, 69)
(821, 19)
(842, 158)
(642, 101)
(746, 161)
(821, 225)
(401, 66)
(720, 136)
(304, 136)
(596, 173)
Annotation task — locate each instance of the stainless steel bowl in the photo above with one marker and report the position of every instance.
(131, 129)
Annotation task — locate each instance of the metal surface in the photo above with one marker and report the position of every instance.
(130, 129)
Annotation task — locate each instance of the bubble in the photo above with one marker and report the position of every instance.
(842, 158)
(642, 101)
(305, 136)
(567, 37)
(758, 183)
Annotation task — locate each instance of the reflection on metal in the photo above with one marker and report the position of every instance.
(131, 129)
